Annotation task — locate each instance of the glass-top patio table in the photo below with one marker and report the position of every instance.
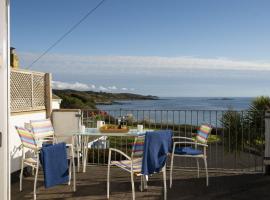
(94, 133)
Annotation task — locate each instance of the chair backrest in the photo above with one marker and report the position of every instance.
(42, 129)
(27, 138)
(66, 123)
(203, 133)
(137, 147)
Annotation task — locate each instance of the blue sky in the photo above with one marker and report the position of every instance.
(164, 48)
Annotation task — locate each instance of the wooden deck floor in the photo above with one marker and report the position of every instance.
(92, 185)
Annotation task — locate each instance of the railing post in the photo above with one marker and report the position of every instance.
(48, 95)
(267, 143)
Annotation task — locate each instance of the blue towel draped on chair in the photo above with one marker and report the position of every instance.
(55, 164)
(156, 147)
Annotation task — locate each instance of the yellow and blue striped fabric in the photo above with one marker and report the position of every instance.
(126, 165)
(137, 154)
(137, 148)
(203, 133)
(42, 128)
(27, 138)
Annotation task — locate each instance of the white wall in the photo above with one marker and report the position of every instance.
(15, 142)
(56, 103)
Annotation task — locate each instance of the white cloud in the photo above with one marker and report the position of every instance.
(90, 65)
(73, 86)
(152, 74)
(102, 88)
(112, 87)
(60, 85)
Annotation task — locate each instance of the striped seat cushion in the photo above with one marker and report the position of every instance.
(137, 147)
(203, 133)
(126, 165)
(42, 128)
(27, 138)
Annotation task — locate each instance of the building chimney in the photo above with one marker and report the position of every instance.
(14, 59)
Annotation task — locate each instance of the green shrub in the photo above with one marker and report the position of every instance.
(245, 130)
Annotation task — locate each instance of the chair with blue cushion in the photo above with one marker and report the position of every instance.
(192, 150)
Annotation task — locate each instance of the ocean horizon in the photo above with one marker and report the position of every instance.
(179, 110)
(183, 103)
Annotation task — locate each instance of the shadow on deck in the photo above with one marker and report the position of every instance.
(92, 185)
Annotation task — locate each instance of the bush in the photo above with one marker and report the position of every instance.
(245, 130)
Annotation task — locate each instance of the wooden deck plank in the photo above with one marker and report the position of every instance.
(92, 185)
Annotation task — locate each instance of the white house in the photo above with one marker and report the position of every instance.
(56, 102)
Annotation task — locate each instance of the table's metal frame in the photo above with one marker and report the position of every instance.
(85, 136)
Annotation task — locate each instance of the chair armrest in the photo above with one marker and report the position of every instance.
(63, 136)
(45, 140)
(195, 143)
(185, 138)
(120, 152)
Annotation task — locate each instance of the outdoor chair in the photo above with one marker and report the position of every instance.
(44, 133)
(192, 150)
(133, 165)
(29, 143)
(65, 124)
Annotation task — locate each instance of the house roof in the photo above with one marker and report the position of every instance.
(55, 96)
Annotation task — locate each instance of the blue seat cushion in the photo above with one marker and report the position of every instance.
(187, 151)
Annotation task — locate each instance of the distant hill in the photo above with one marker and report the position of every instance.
(89, 99)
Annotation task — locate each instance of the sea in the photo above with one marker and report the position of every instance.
(183, 103)
(179, 110)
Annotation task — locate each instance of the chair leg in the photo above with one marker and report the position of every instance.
(108, 175)
(85, 153)
(78, 148)
(206, 171)
(21, 175)
(165, 182)
(69, 171)
(78, 160)
(35, 182)
(87, 140)
(145, 183)
(22, 165)
(142, 185)
(33, 171)
(198, 168)
(171, 169)
(73, 167)
(132, 185)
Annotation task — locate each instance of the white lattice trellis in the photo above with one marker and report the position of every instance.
(27, 91)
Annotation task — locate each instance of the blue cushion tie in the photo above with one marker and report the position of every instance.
(187, 151)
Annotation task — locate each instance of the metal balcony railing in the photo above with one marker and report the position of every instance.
(236, 143)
